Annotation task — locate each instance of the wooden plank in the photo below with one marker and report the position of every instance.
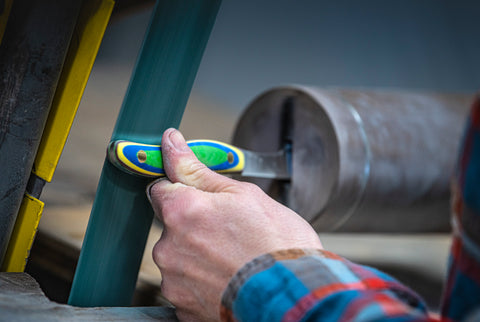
(121, 215)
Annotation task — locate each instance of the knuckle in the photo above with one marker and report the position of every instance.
(199, 211)
(173, 207)
(157, 187)
(193, 171)
(197, 208)
(165, 259)
(168, 212)
(251, 188)
(158, 253)
(187, 205)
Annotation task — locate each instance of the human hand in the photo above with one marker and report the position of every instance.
(213, 225)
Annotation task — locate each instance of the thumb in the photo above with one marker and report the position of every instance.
(181, 165)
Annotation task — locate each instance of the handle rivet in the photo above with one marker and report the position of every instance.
(230, 157)
(141, 156)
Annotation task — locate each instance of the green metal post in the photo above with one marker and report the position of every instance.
(159, 88)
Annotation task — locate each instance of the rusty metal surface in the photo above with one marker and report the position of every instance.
(31, 57)
(21, 299)
(363, 161)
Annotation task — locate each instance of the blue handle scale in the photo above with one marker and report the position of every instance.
(146, 160)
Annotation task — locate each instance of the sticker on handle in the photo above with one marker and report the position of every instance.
(146, 160)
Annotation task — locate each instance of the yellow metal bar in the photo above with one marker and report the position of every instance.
(23, 235)
(4, 17)
(81, 55)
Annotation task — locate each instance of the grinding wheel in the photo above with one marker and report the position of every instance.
(362, 161)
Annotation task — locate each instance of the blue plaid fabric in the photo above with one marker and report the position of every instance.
(462, 289)
(315, 285)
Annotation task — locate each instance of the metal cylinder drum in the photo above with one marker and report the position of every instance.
(362, 160)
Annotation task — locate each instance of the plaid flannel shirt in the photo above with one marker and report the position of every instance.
(317, 285)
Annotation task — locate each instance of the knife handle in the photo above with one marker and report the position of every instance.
(146, 160)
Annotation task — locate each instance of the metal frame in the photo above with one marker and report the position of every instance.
(32, 54)
(88, 34)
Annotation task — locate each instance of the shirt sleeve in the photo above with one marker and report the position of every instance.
(462, 290)
(316, 285)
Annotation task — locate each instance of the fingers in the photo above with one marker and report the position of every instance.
(169, 200)
(178, 205)
(181, 165)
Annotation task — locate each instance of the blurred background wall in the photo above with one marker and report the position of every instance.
(428, 44)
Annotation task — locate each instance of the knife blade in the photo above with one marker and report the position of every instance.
(146, 159)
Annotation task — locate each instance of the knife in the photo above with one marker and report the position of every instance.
(146, 159)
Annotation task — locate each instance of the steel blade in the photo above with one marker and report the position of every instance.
(266, 165)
